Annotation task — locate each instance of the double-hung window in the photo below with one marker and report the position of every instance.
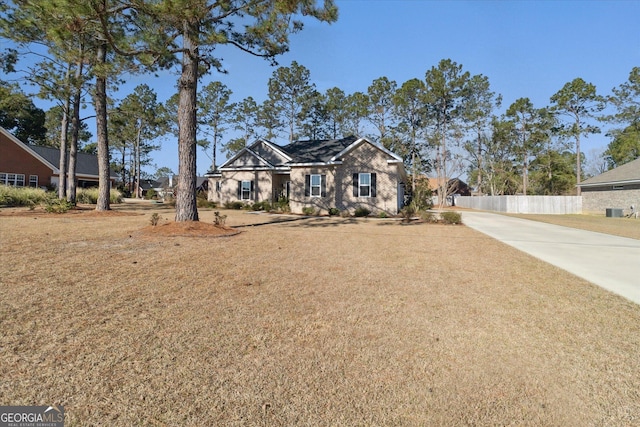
(364, 187)
(245, 192)
(33, 181)
(364, 184)
(316, 185)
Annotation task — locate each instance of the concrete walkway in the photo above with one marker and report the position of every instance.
(610, 262)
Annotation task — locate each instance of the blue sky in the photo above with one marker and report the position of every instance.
(525, 48)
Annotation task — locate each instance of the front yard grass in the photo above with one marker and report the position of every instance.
(624, 227)
(309, 322)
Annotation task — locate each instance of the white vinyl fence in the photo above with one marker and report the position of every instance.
(523, 204)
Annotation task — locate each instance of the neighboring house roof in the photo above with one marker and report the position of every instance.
(626, 174)
(147, 184)
(317, 151)
(456, 184)
(86, 164)
(263, 154)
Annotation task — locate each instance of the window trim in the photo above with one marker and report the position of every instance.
(361, 186)
(243, 189)
(312, 185)
(12, 179)
(33, 181)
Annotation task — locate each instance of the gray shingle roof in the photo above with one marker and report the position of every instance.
(317, 151)
(629, 172)
(87, 164)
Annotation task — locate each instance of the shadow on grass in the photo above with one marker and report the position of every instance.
(332, 222)
(142, 206)
(325, 222)
(304, 222)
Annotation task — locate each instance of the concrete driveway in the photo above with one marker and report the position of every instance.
(610, 262)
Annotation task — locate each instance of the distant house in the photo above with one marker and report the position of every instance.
(166, 186)
(455, 187)
(618, 188)
(346, 174)
(24, 165)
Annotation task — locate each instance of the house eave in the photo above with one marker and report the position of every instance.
(251, 168)
(316, 164)
(602, 184)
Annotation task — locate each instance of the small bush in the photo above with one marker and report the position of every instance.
(428, 217)
(282, 205)
(261, 206)
(151, 194)
(155, 217)
(334, 211)
(362, 211)
(237, 205)
(204, 203)
(383, 214)
(55, 205)
(309, 210)
(450, 217)
(219, 219)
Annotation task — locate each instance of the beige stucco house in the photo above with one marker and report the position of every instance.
(345, 173)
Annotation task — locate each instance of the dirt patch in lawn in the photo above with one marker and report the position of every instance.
(311, 322)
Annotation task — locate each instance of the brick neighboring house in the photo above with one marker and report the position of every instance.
(455, 187)
(24, 165)
(345, 173)
(618, 188)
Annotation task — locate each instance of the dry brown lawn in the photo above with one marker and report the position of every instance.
(311, 322)
(625, 227)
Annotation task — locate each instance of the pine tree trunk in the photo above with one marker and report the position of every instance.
(578, 165)
(137, 163)
(186, 207)
(64, 130)
(100, 102)
(480, 165)
(75, 130)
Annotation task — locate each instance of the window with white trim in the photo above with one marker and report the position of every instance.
(245, 192)
(364, 186)
(316, 185)
(33, 181)
(14, 179)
